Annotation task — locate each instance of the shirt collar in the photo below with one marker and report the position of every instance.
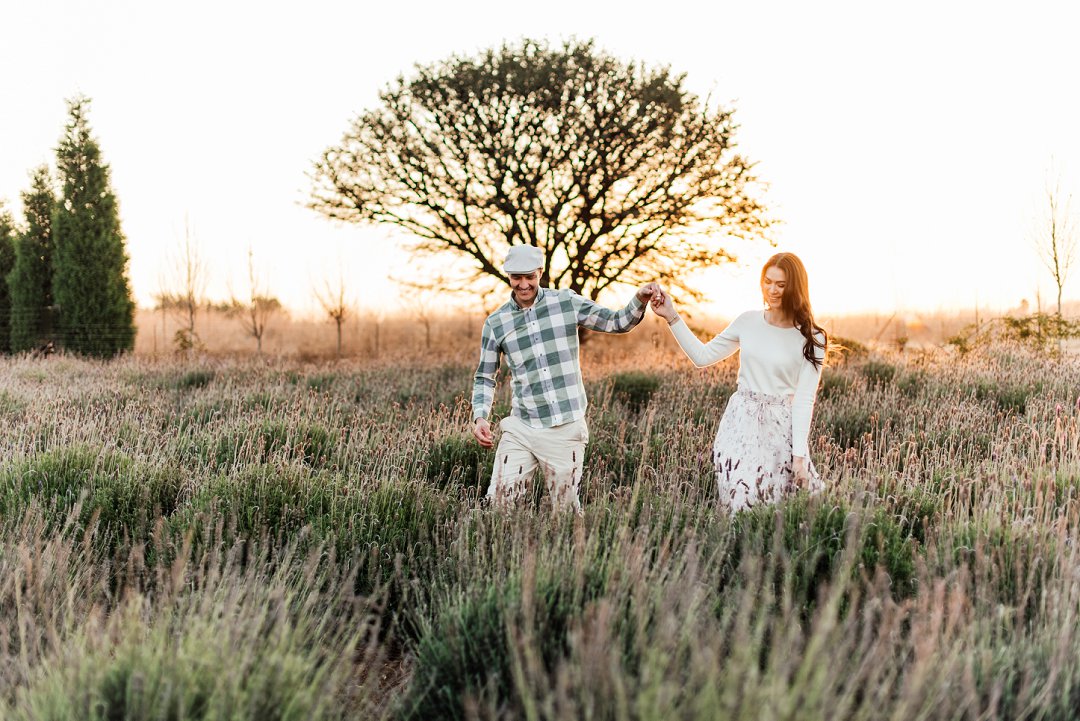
(514, 304)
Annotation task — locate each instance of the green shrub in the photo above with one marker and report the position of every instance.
(878, 372)
(262, 498)
(849, 424)
(634, 389)
(456, 459)
(237, 661)
(834, 384)
(322, 382)
(393, 524)
(912, 383)
(383, 524)
(614, 454)
(193, 379)
(916, 510)
(464, 652)
(709, 406)
(443, 386)
(1040, 331)
(846, 349)
(810, 534)
(1008, 398)
(124, 495)
(306, 442)
(986, 547)
(197, 415)
(10, 405)
(264, 400)
(887, 542)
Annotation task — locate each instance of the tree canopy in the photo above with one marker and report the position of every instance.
(30, 279)
(614, 169)
(90, 284)
(8, 239)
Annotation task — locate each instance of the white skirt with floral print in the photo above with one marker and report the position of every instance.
(753, 454)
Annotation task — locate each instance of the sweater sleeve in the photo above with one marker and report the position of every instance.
(802, 405)
(703, 354)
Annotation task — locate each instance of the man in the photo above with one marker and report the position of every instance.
(537, 332)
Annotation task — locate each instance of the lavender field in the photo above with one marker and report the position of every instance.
(276, 540)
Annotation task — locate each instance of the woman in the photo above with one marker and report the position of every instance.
(761, 450)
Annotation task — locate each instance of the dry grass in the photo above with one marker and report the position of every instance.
(369, 336)
(280, 538)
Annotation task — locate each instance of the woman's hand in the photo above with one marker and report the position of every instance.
(800, 468)
(663, 307)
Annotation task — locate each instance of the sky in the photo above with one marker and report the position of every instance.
(906, 145)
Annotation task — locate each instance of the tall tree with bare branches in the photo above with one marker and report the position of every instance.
(615, 169)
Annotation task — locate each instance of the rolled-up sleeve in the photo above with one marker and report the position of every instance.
(594, 316)
(486, 371)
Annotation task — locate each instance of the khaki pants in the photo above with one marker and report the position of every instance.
(558, 451)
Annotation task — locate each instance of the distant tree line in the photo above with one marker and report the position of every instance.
(64, 269)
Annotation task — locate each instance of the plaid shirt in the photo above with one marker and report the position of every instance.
(541, 347)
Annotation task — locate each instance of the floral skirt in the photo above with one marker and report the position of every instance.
(752, 451)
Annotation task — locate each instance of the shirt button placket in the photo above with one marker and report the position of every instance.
(534, 328)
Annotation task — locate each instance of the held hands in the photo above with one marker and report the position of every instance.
(663, 307)
(482, 431)
(652, 294)
(648, 292)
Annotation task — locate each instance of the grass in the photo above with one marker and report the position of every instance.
(272, 541)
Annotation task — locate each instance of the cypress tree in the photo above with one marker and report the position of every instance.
(30, 281)
(96, 313)
(7, 259)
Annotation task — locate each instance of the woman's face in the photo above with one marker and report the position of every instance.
(772, 287)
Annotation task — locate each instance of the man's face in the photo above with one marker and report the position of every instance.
(525, 285)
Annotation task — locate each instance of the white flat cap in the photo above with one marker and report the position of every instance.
(523, 259)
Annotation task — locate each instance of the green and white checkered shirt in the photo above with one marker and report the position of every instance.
(541, 347)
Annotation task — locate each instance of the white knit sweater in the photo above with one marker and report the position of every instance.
(771, 362)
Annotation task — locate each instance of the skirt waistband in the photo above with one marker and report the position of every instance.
(765, 399)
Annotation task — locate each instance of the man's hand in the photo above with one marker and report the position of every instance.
(801, 470)
(649, 291)
(482, 430)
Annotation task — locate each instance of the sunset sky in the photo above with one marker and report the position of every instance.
(906, 145)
